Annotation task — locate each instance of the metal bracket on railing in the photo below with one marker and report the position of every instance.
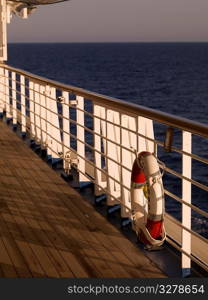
(60, 154)
(168, 139)
(73, 102)
(67, 166)
(60, 99)
(67, 175)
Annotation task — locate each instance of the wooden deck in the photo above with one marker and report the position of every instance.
(48, 230)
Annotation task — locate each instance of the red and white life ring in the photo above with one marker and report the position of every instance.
(147, 200)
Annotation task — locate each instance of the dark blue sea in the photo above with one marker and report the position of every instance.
(170, 77)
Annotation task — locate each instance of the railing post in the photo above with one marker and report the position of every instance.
(42, 99)
(56, 144)
(2, 95)
(99, 182)
(14, 100)
(3, 30)
(32, 110)
(186, 196)
(145, 127)
(113, 151)
(37, 113)
(129, 141)
(83, 180)
(7, 96)
(23, 104)
(48, 120)
(66, 131)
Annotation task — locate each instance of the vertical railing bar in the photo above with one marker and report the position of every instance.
(117, 130)
(186, 196)
(8, 114)
(23, 106)
(2, 93)
(66, 132)
(98, 127)
(32, 110)
(97, 146)
(107, 157)
(55, 133)
(113, 152)
(121, 160)
(37, 113)
(81, 144)
(48, 122)
(129, 140)
(42, 104)
(109, 180)
(14, 100)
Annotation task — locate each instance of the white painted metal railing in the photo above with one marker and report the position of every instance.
(98, 135)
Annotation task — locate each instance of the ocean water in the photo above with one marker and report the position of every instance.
(170, 77)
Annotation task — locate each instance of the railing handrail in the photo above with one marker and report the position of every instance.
(158, 116)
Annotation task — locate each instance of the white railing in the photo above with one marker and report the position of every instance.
(98, 136)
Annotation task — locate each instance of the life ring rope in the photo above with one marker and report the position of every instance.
(160, 163)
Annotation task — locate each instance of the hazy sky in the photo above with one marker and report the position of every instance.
(114, 21)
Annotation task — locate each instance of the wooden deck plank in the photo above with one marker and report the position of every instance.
(110, 274)
(49, 230)
(41, 239)
(90, 258)
(14, 251)
(50, 244)
(23, 246)
(91, 239)
(103, 267)
(67, 243)
(98, 224)
(7, 268)
(134, 268)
